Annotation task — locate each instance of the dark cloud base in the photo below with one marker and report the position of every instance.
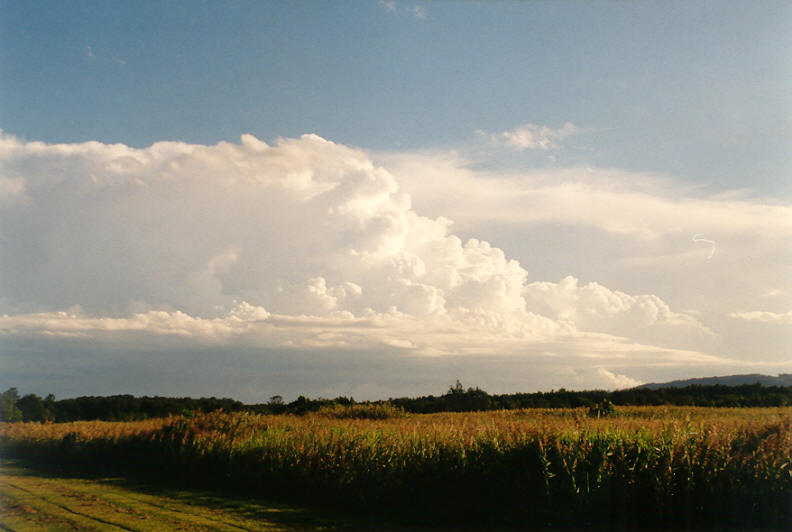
(72, 368)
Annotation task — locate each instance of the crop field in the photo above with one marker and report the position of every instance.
(643, 467)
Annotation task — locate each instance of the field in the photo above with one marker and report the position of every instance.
(33, 500)
(644, 467)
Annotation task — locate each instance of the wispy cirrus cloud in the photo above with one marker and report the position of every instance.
(389, 6)
(418, 11)
(91, 54)
(780, 318)
(535, 137)
(612, 200)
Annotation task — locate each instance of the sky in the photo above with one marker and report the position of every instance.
(374, 199)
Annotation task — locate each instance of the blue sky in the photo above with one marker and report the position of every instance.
(697, 89)
(524, 195)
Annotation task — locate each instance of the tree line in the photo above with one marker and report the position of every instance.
(31, 407)
(459, 399)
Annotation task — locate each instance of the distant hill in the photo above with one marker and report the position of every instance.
(784, 379)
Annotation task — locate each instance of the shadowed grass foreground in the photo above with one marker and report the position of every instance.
(641, 468)
(34, 499)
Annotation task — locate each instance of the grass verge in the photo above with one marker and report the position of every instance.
(35, 499)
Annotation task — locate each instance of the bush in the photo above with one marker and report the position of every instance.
(603, 408)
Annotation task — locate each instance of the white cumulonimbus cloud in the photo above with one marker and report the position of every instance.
(305, 243)
(631, 230)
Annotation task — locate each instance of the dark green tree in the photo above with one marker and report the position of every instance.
(456, 389)
(8, 408)
(34, 408)
(276, 400)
